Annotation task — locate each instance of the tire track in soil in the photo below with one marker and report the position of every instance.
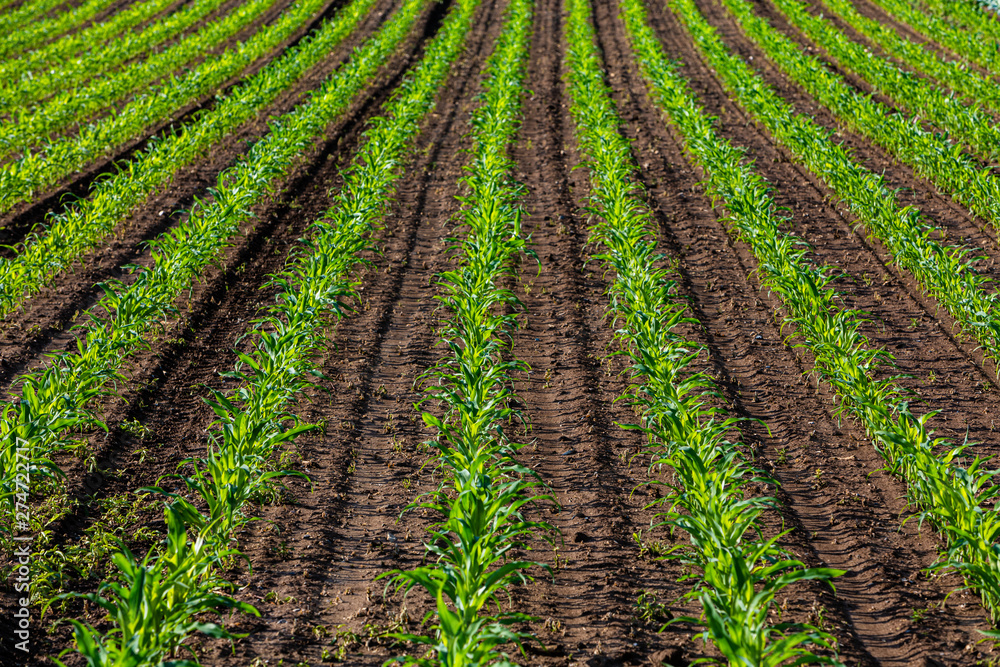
(949, 372)
(349, 518)
(852, 517)
(22, 218)
(586, 611)
(40, 325)
(166, 392)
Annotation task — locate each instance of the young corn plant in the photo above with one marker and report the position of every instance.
(29, 128)
(736, 573)
(154, 603)
(957, 500)
(36, 31)
(485, 491)
(973, 38)
(967, 124)
(977, 17)
(955, 75)
(13, 19)
(931, 155)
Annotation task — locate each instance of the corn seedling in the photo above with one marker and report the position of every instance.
(33, 127)
(30, 173)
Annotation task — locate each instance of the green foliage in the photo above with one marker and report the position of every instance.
(32, 172)
(946, 272)
(70, 104)
(963, 26)
(98, 50)
(58, 400)
(956, 499)
(12, 19)
(155, 600)
(485, 489)
(921, 58)
(967, 124)
(736, 573)
(253, 420)
(86, 223)
(37, 31)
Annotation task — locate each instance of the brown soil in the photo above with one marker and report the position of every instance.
(765, 379)
(48, 314)
(317, 556)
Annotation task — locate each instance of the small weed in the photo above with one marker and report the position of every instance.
(654, 550)
(651, 610)
(283, 551)
(136, 428)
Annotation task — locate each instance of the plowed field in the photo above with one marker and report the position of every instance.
(313, 560)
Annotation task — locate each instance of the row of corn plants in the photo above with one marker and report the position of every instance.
(27, 80)
(955, 499)
(736, 573)
(34, 127)
(967, 124)
(481, 500)
(956, 76)
(975, 42)
(947, 272)
(22, 178)
(60, 399)
(32, 10)
(931, 155)
(68, 235)
(34, 33)
(254, 419)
